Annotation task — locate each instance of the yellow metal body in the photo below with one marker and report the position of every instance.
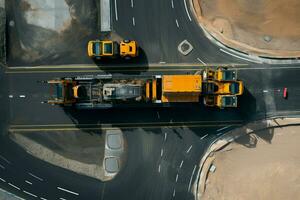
(102, 43)
(129, 49)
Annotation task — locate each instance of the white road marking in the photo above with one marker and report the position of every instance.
(11, 96)
(159, 168)
(161, 152)
(43, 198)
(133, 21)
(116, 10)
(174, 192)
(2, 167)
(29, 193)
(162, 62)
(218, 134)
(176, 178)
(1, 179)
(192, 178)
(189, 149)
(22, 96)
(177, 24)
(223, 128)
(35, 176)
(12, 185)
(3, 158)
(65, 190)
(132, 4)
(265, 91)
(158, 115)
(238, 56)
(181, 164)
(62, 198)
(172, 3)
(166, 134)
(186, 9)
(204, 136)
(28, 182)
(201, 61)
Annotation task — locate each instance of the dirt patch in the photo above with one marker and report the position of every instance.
(270, 170)
(263, 27)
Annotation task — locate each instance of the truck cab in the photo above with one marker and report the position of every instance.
(220, 74)
(225, 88)
(220, 101)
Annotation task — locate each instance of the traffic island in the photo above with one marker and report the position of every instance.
(100, 155)
(257, 161)
(265, 28)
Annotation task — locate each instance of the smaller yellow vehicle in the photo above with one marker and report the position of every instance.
(111, 49)
(220, 74)
(223, 88)
(220, 101)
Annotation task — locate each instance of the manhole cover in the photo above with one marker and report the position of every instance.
(185, 47)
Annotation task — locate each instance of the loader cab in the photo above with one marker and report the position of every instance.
(61, 93)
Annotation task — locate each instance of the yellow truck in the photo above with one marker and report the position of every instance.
(105, 91)
(220, 74)
(111, 49)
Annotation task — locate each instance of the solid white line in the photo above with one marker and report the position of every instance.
(172, 3)
(201, 61)
(12, 185)
(133, 21)
(43, 198)
(181, 164)
(189, 149)
(63, 189)
(159, 168)
(204, 136)
(192, 177)
(177, 24)
(161, 152)
(174, 192)
(1, 166)
(219, 133)
(238, 56)
(176, 178)
(3, 158)
(29, 193)
(132, 4)
(28, 182)
(38, 178)
(223, 128)
(116, 10)
(1, 179)
(186, 9)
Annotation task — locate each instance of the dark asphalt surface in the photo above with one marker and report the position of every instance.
(156, 31)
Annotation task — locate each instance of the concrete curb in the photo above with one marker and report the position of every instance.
(241, 50)
(222, 141)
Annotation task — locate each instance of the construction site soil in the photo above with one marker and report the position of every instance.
(262, 27)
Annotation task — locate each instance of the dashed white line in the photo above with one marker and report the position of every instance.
(177, 24)
(133, 21)
(2, 167)
(172, 3)
(161, 152)
(238, 56)
(12, 185)
(162, 62)
(69, 191)
(174, 192)
(218, 134)
(22, 96)
(192, 178)
(11, 96)
(176, 178)
(265, 91)
(29, 193)
(181, 164)
(186, 9)
(132, 4)
(28, 182)
(1, 179)
(201, 61)
(159, 168)
(189, 149)
(116, 10)
(166, 135)
(62, 198)
(204, 136)
(3, 158)
(35, 176)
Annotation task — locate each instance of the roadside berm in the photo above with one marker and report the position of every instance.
(258, 161)
(269, 28)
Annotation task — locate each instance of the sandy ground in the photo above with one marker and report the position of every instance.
(268, 170)
(262, 24)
